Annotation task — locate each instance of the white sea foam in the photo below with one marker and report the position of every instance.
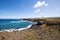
(15, 21)
(23, 21)
(11, 30)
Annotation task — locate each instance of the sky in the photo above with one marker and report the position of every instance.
(29, 8)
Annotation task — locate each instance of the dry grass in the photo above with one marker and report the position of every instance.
(43, 32)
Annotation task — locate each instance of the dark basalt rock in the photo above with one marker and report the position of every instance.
(39, 23)
(52, 23)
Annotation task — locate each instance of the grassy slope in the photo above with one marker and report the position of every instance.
(36, 32)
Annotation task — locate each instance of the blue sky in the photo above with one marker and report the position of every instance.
(29, 8)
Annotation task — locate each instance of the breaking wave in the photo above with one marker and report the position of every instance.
(11, 30)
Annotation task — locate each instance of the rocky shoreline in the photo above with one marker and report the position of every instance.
(39, 31)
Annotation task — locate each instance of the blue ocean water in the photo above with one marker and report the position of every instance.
(13, 24)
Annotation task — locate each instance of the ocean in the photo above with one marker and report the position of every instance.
(6, 24)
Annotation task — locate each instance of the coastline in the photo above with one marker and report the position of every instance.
(47, 31)
(11, 30)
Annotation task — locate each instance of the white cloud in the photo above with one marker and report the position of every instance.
(39, 4)
(46, 4)
(37, 11)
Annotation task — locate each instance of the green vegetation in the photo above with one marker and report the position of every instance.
(36, 32)
(21, 38)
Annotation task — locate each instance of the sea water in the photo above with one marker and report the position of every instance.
(6, 24)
